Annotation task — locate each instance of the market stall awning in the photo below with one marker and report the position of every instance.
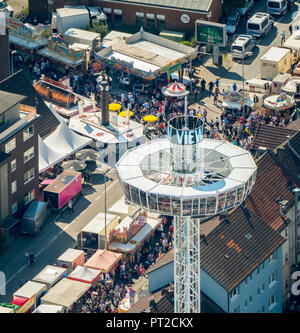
(85, 274)
(57, 57)
(48, 156)
(103, 260)
(30, 45)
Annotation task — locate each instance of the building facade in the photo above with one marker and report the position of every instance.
(19, 162)
(4, 56)
(159, 15)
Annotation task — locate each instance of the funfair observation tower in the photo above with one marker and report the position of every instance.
(190, 178)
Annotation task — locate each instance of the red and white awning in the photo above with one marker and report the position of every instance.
(175, 89)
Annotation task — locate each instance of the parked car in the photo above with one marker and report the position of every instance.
(248, 4)
(259, 24)
(4, 7)
(277, 7)
(232, 22)
(242, 44)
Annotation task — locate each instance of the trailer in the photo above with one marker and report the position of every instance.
(66, 18)
(66, 187)
(84, 37)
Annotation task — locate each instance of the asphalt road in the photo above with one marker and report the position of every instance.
(252, 64)
(56, 236)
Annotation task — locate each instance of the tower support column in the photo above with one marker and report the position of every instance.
(186, 265)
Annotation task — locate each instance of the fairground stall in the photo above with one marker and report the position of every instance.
(134, 242)
(50, 275)
(26, 37)
(146, 57)
(25, 305)
(66, 293)
(86, 275)
(32, 289)
(66, 58)
(92, 236)
(104, 261)
(70, 259)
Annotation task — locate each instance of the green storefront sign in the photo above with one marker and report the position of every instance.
(210, 33)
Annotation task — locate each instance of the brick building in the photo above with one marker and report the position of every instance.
(4, 57)
(176, 15)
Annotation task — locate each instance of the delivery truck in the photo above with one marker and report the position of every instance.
(66, 18)
(66, 187)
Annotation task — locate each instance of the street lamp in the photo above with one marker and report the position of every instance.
(243, 54)
(12, 53)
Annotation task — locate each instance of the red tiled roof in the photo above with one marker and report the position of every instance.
(270, 137)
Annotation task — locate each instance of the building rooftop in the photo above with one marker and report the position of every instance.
(275, 54)
(270, 136)
(236, 247)
(19, 84)
(9, 100)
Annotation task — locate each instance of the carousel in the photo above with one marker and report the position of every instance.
(233, 101)
(279, 105)
(291, 88)
(176, 92)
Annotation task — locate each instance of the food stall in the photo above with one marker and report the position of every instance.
(32, 289)
(46, 308)
(136, 242)
(65, 187)
(92, 236)
(50, 275)
(86, 275)
(104, 260)
(70, 259)
(65, 293)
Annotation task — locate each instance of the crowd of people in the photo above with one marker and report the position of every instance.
(106, 295)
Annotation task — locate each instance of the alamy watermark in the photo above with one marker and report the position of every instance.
(296, 285)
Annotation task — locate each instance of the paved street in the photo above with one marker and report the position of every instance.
(55, 237)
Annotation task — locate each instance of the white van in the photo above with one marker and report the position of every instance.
(259, 24)
(242, 44)
(277, 7)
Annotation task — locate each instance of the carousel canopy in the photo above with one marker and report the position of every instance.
(279, 102)
(175, 89)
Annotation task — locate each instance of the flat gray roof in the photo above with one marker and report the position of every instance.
(8, 100)
(194, 5)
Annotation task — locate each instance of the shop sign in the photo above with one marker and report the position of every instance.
(210, 33)
(184, 18)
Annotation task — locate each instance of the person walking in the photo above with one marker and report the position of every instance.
(26, 254)
(291, 29)
(70, 206)
(282, 40)
(205, 115)
(203, 83)
(32, 258)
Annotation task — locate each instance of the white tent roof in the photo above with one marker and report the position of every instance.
(48, 156)
(85, 273)
(69, 142)
(46, 308)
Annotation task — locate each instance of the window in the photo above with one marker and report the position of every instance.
(272, 301)
(272, 279)
(257, 270)
(13, 165)
(29, 196)
(28, 133)
(246, 281)
(258, 292)
(10, 145)
(263, 308)
(250, 276)
(264, 23)
(236, 310)
(272, 257)
(29, 154)
(14, 207)
(286, 284)
(234, 292)
(150, 21)
(29, 175)
(14, 186)
(263, 265)
(161, 22)
(246, 303)
(139, 19)
(250, 299)
(263, 288)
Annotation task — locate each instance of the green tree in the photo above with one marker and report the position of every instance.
(99, 28)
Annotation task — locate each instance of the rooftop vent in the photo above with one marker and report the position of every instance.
(248, 236)
(226, 256)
